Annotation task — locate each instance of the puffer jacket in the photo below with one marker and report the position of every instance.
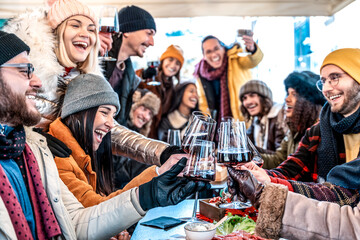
(238, 72)
(32, 27)
(287, 146)
(77, 173)
(293, 216)
(99, 222)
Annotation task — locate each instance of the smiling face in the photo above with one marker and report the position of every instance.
(136, 43)
(18, 93)
(344, 98)
(190, 97)
(141, 116)
(103, 123)
(290, 101)
(213, 52)
(79, 38)
(251, 101)
(171, 66)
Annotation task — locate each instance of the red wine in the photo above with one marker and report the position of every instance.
(234, 156)
(208, 175)
(108, 29)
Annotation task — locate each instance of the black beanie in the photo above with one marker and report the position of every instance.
(304, 84)
(133, 18)
(10, 46)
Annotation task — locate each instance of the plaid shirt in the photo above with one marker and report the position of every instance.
(302, 166)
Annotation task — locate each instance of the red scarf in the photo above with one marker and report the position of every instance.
(204, 70)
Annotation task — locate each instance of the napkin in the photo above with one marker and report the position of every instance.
(163, 222)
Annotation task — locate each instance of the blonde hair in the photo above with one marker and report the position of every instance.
(91, 63)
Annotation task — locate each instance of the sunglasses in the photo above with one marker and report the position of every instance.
(26, 68)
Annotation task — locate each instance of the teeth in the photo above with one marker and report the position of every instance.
(171, 70)
(30, 96)
(83, 44)
(216, 59)
(334, 96)
(251, 106)
(193, 100)
(100, 132)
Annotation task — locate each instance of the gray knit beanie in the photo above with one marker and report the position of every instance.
(10, 46)
(87, 91)
(133, 18)
(255, 86)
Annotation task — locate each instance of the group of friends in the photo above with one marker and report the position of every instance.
(78, 155)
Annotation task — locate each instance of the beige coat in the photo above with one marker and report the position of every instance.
(99, 222)
(294, 216)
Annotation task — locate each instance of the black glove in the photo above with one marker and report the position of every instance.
(150, 72)
(167, 189)
(170, 150)
(245, 185)
(57, 147)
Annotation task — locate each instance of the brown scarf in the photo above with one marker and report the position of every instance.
(203, 69)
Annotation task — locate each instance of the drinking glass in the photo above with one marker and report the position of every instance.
(173, 137)
(153, 82)
(201, 165)
(199, 127)
(246, 28)
(108, 23)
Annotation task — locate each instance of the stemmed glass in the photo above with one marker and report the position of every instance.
(201, 165)
(173, 137)
(245, 29)
(108, 23)
(153, 82)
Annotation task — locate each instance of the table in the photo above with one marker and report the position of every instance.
(183, 209)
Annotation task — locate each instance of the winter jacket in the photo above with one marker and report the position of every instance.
(76, 222)
(287, 146)
(174, 121)
(239, 71)
(293, 216)
(77, 173)
(32, 27)
(274, 131)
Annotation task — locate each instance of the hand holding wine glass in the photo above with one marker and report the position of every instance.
(108, 23)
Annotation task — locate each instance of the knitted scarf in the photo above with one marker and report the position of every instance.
(11, 147)
(203, 69)
(332, 127)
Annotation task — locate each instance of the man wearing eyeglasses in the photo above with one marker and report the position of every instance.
(333, 142)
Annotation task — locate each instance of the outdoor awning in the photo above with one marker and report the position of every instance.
(195, 8)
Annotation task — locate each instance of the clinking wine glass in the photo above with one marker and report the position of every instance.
(201, 165)
(200, 127)
(108, 23)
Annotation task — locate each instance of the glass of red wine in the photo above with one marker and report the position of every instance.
(108, 23)
(201, 166)
(154, 65)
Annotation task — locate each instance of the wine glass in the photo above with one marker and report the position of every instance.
(246, 28)
(201, 165)
(108, 23)
(173, 137)
(199, 127)
(153, 64)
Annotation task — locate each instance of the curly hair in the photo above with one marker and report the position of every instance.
(305, 114)
(265, 103)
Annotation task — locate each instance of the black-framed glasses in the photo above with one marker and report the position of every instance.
(332, 79)
(27, 68)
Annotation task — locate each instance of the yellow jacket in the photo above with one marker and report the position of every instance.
(239, 71)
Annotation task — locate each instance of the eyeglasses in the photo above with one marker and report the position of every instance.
(27, 68)
(332, 79)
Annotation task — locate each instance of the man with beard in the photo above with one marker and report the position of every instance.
(34, 202)
(332, 142)
(137, 29)
(222, 72)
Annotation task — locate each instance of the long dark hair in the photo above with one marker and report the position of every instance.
(266, 104)
(81, 125)
(178, 96)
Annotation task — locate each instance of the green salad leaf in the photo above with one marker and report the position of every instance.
(234, 223)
